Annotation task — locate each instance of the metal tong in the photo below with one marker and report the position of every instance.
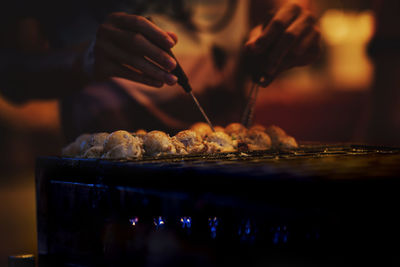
(247, 117)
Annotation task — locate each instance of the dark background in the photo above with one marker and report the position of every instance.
(350, 95)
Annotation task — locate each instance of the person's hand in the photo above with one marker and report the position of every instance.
(289, 40)
(132, 47)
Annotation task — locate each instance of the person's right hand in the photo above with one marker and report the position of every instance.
(132, 47)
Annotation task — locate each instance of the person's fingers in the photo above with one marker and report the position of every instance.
(110, 68)
(173, 36)
(152, 70)
(277, 26)
(293, 35)
(310, 51)
(138, 62)
(137, 44)
(152, 32)
(129, 73)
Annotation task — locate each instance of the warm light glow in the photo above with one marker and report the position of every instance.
(338, 27)
(347, 34)
(35, 115)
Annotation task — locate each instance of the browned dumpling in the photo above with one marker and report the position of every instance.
(121, 144)
(158, 143)
(236, 130)
(94, 152)
(257, 140)
(140, 133)
(258, 127)
(219, 129)
(288, 143)
(191, 140)
(202, 128)
(125, 150)
(280, 139)
(117, 138)
(78, 147)
(96, 140)
(179, 147)
(219, 142)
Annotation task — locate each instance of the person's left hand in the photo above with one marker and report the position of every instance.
(290, 39)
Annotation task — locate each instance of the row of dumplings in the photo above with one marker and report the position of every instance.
(198, 139)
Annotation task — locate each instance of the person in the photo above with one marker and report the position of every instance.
(133, 49)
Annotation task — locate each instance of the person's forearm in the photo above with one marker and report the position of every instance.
(41, 76)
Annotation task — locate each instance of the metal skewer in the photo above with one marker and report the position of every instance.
(248, 113)
(202, 111)
(183, 81)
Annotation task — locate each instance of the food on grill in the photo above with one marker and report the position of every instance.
(219, 129)
(158, 143)
(191, 140)
(202, 128)
(122, 144)
(257, 140)
(117, 138)
(258, 127)
(140, 133)
(98, 139)
(93, 147)
(77, 148)
(280, 139)
(219, 142)
(236, 130)
(199, 139)
(126, 150)
(94, 152)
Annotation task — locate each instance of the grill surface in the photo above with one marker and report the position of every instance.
(324, 204)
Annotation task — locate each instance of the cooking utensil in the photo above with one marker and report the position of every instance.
(183, 81)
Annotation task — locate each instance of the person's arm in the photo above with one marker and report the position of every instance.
(127, 46)
(288, 38)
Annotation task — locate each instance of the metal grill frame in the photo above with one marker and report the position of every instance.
(81, 201)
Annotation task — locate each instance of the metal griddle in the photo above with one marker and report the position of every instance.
(319, 204)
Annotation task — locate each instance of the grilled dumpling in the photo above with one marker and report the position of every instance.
(117, 138)
(257, 140)
(125, 150)
(202, 128)
(140, 133)
(179, 147)
(219, 129)
(288, 142)
(121, 144)
(191, 140)
(258, 127)
(280, 139)
(157, 143)
(94, 152)
(96, 140)
(219, 142)
(236, 130)
(78, 147)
